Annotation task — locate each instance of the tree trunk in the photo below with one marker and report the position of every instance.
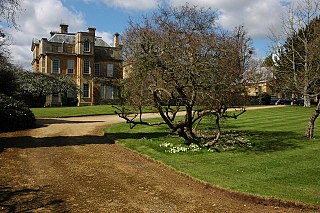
(310, 128)
(306, 101)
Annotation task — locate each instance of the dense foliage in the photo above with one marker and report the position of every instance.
(20, 89)
(14, 115)
(8, 84)
(34, 87)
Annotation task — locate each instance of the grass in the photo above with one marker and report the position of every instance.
(281, 163)
(60, 112)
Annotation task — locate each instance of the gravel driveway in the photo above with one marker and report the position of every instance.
(68, 165)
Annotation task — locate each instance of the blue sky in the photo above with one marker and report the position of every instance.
(38, 18)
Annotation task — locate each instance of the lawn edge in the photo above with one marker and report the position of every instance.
(256, 199)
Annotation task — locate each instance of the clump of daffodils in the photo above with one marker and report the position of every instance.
(230, 140)
(180, 148)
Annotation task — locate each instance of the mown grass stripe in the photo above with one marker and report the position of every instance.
(281, 163)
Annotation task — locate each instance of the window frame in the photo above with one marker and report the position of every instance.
(71, 93)
(110, 72)
(86, 90)
(86, 68)
(97, 72)
(107, 93)
(53, 71)
(86, 46)
(69, 68)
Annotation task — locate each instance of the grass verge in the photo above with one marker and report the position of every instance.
(63, 112)
(281, 163)
(60, 112)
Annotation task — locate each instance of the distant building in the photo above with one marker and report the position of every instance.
(255, 89)
(95, 66)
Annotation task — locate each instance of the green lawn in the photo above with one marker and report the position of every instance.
(63, 112)
(60, 112)
(281, 163)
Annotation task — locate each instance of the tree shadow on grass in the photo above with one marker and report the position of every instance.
(261, 141)
(45, 122)
(272, 141)
(139, 135)
(29, 200)
(59, 141)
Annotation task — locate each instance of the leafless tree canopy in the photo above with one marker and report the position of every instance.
(181, 57)
(8, 12)
(298, 67)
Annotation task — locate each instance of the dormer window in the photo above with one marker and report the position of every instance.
(86, 46)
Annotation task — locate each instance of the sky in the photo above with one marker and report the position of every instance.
(37, 18)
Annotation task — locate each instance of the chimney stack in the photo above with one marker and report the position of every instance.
(116, 40)
(92, 30)
(63, 28)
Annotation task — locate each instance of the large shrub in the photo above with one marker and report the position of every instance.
(8, 83)
(14, 115)
(264, 99)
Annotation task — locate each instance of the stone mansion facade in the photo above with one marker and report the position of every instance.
(95, 66)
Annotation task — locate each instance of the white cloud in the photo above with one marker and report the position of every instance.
(106, 36)
(129, 4)
(255, 15)
(36, 20)
(22, 55)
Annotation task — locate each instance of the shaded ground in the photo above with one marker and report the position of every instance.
(67, 165)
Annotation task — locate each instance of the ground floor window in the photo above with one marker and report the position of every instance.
(86, 90)
(71, 93)
(109, 92)
(56, 98)
(56, 66)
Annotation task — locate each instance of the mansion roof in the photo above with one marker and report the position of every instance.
(69, 38)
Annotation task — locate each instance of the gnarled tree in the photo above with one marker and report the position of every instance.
(179, 57)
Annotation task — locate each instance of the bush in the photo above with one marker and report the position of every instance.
(31, 101)
(69, 101)
(264, 99)
(8, 83)
(14, 115)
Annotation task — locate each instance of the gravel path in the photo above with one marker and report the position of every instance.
(68, 165)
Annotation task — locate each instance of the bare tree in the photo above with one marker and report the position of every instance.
(178, 58)
(8, 13)
(298, 65)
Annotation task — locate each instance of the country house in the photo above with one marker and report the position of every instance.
(94, 65)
